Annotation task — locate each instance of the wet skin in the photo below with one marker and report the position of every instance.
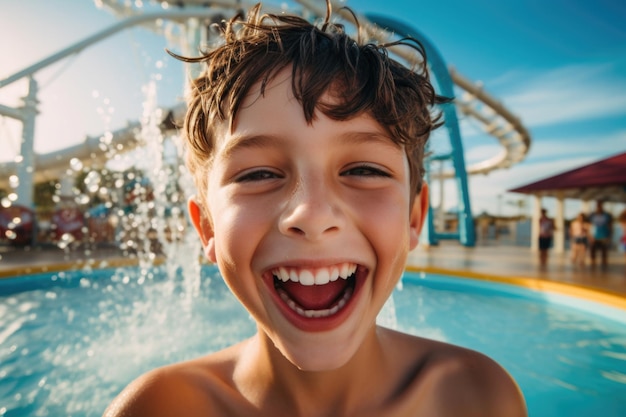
(306, 200)
(283, 193)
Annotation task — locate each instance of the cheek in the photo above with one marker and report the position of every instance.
(387, 211)
(240, 227)
(386, 220)
(233, 229)
(235, 237)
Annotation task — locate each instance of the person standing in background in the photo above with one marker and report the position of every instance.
(601, 232)
(622, 223)
(579, 235)
(546, 234)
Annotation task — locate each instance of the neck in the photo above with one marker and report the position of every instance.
(273, 383)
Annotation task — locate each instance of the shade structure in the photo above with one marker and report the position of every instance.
(601, 180)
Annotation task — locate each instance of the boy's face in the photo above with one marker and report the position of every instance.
(288, 200)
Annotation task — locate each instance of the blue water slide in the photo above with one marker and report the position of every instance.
(445, 86)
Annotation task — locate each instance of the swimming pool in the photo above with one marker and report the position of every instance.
(69, 341)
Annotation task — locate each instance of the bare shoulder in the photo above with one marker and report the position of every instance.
(162, 392)
(448, 380)
(199, 387)
(470, 383)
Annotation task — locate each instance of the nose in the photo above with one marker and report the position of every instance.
(312, 211)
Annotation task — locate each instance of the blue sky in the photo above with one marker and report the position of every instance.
(559, 65)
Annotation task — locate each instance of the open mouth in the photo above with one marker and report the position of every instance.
(316, 293)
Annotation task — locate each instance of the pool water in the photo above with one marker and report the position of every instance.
(567, 362)
(70, 341)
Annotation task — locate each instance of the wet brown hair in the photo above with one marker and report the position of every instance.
(361, 77)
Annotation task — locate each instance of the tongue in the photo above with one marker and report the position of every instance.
(315, 297)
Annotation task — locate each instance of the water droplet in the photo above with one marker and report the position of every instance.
(76, 164)
(66, 239)
(82, 199)
(92, 181)
(107, 137)
(14, 181)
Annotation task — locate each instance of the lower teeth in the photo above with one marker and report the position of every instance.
(317, 313)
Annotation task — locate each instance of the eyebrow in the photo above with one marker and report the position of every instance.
(353, 138)
(249, 141)
(361, 137)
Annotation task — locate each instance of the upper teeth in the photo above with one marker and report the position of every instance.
(318, 276)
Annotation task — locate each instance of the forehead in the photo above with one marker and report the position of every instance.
(271, 94)
(273, 107)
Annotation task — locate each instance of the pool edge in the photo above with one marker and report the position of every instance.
(597, 295)
(116, 262)
(601, 296)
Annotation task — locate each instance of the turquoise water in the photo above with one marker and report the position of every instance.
(70, 341)
(568, 356)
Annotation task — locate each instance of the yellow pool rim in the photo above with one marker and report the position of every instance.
(600, 296)
(69, 265)
(74, 265)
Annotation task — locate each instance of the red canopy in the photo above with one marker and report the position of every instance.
(601, 180)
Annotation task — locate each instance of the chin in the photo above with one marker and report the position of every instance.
(329, 351)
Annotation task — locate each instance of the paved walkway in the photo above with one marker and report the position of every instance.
(520, 265)
(515, 261)
(516, 264)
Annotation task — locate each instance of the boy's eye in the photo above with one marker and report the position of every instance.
(365, 171)
(258, 175)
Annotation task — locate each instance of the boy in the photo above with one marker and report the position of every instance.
(307, 148)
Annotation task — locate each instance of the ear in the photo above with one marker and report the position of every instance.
(204, 228)
(418, 215)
